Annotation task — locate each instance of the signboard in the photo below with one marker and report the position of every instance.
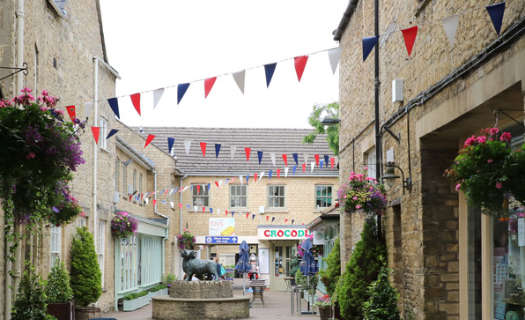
(221, 227)
(264, 261)
(222, 240)
(282, 233)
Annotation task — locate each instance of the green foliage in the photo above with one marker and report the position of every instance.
(169, 278)
(300, 279)
(329, 111)
(294, 265)
(58, 289)
(30, 303)
(157, 287)
(362, 269)
(382, 304)
(136, 295)
(330, 275)
(85, 272)
(516, 170)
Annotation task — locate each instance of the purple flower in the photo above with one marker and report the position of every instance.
(55, 209)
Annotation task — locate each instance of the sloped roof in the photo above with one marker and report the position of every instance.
(278, 141)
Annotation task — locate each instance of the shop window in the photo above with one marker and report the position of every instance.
(150, 260)
(101, 243)
(323, 196)
(276, 196)
(55, 245)
(200, 195)
(237, 196)
(128, 264)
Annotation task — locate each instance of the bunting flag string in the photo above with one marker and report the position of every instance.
(409, 35)
(296, 158)
(496, 12)
(259, 155)
(135, 99)
(181, 90)
(368, 44)
(232, 151)
(217, 149)
(71, 112)
(113, 104)
(171, 141)
(149, 139)
(187, 146)
(157, 94)
(272, 156)
(285, 159)
(450, 25)
(208, 84)
(300, 64)
(239, 79)
(111, 133)
(334, 55)
(269, 69)
(203, 148)
(326, 159)
(316, 157)
(247, 151)
(96, 133)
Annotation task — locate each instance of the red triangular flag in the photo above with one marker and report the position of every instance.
(198, 188)
(267, 218)
(332, 162)
(208, 84)
(203, 209)
(278, 173)
(180, 205)
(216, 183)
(300, 63)
(247, 215)
(135, 99)
(255, 177)
(203, 148)
(71, 112)
(154, 201)
(316, 156)
(304, 167)
(410, 37)
(247, 150)
(96, 133)
(285, 220)
(285, 159)
(149, 139)
(226, 212)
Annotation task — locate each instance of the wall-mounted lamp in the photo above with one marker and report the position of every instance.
(330, 121)
(389, 175)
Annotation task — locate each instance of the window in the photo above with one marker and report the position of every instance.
(124, 178)
(140, 184)
(237, 196)
(370, 157)
(82, 221)
(103, 123)
(200, 195)
(134, 181)
(101, 242)
(323, 196)
(55, 245)
(276, 196)
(128, 263)
(117, 175)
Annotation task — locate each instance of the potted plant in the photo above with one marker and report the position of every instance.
(123, 225)
(59, 293)
(169, 279)
(361, 193)
(185, 240)
(30, 302)
(85, 274)
(324, 306)
(382, 303)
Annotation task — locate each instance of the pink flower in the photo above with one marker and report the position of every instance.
(354, 198)
(498, 185)
(366, 168)
(60, 112)
(26, 90)
(490, 161)
(493, 131)
(82, 214)
(358, 206)
(45, 93)
(505, 136)
(470, 141)
(30, 155)
(481, 139)
(458, 186)
(44, 109)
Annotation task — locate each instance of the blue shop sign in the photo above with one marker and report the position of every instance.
(222, 240)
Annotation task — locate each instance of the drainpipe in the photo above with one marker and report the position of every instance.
(181, 273)
(95, 147)
(377, 84)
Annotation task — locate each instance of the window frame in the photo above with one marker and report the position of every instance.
(101, 247)
(272, 197)
(330, 198)
(55, 245)
(117, 174)
(238, 196)
(203, 194)
(103, 142)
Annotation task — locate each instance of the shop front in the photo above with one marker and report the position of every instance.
(277, 248)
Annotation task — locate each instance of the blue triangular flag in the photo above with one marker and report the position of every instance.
(368, 45)
(217, 149)
(496, 12)
(113, 103)
(294, 169)
(269, 70)
(259, 155)
(209, 185)
(295, 158)
(253, 216)
(273, 219)
(111, 133)
(233, 212)
(188, 206)
(326, 160)
(211, 210)
(170, 144)
(321, 163)
(293, 221)
(270, 174)
(247, 178)
(181, 90)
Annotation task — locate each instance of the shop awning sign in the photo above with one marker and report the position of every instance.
(282, 233)
(222, 240)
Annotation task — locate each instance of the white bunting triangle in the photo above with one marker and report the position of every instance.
(261, 176)
(239, 79)
(450, 25)
(312, 166)
(240, 179)
(285, 172)
(232, 151)
(305, 156)
(272, 156)
(157, 94)
(334, 55)
(172, 204)
(187, 146)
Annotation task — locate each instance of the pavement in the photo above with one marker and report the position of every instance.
(276, 307)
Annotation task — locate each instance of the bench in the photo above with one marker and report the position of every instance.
(258, 287)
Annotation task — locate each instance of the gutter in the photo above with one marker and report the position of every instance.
(349, 12)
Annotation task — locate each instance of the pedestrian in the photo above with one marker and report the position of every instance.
(219, 267)
(253, 273)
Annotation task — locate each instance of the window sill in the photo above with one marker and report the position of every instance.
(276, 210)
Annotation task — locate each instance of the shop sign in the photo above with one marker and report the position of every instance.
(222, 240)
(282, 233)
(221, 227)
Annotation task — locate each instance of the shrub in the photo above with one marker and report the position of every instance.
(330, 275)
(382, 304)
(136, 295)
(85, 272)
(30, 303)
(58, 289)
(362, 269)
(300, 279)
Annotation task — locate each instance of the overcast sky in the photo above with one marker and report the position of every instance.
(160, 43)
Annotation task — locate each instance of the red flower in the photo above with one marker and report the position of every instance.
(505, 136)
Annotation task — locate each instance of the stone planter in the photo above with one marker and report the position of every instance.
(134, 304)
(86, 313)
(62, 311)
(325, 312)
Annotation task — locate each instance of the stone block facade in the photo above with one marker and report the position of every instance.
(421, 225)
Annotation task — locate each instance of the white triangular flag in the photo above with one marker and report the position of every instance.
(334, 55)
(312, 166)
(146, 200)
(261, 176)
(285, 172)
(157, 94)
(450, 25)
(305, 157)
(232, 151)
(220, 183)
(272, 156)
(172, 204)
(187, 146)
(240, 179)
(185, 188)
(195, 208)
(239, 79)
(218, 211)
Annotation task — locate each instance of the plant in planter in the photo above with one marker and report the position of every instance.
(123, 225)
(169, 279)
(59, 293)
(30, 303)
(382, 304)
(515, 169)
(362, 269)
(481, 169)
(324, 305)
(361, 193)
(185, 240)
(330, 275)
(85, 273)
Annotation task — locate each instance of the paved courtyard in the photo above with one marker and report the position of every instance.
(276, 306)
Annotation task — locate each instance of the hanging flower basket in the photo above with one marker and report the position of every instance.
(515, 169)
(361, 193)
(185, 240)
(481, 170)
(123, 225)
(39, 152)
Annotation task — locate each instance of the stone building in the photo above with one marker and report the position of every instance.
(442, 251)
(223, 203)
(62, 45)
